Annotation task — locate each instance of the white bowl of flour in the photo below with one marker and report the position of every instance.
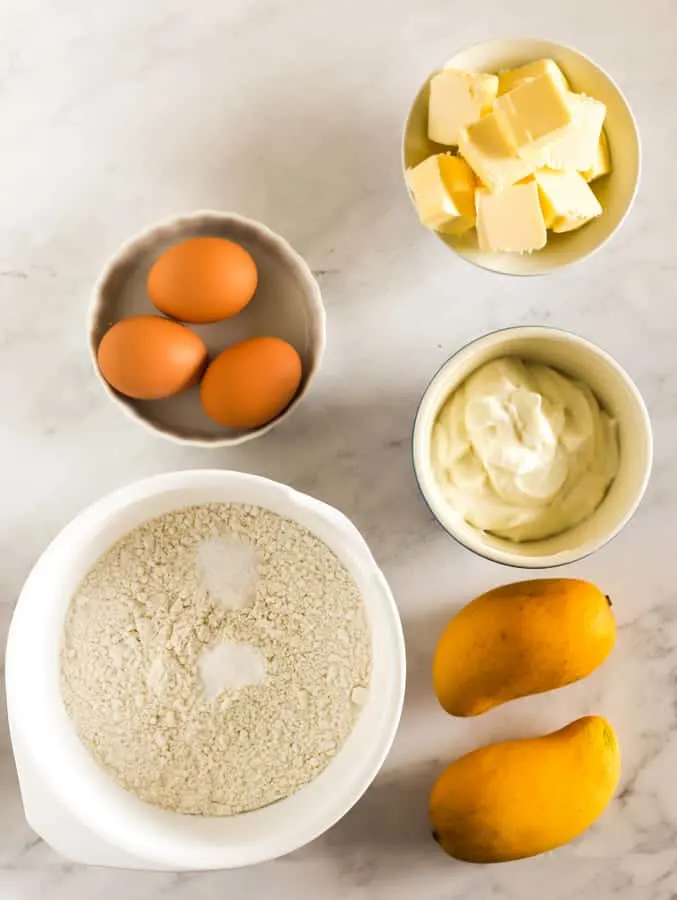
(80, 777)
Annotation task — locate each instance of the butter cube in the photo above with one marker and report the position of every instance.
(444, 193)
(601, 164)
(577, 147)
(492, 155)
(457, 99)
(512, 77)
(510, 220)
(566, 199)
(534, 113)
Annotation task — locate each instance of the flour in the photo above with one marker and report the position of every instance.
(215, 659)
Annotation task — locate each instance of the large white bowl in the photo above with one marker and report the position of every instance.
(616, 191)
(160, 837)
(617, 393)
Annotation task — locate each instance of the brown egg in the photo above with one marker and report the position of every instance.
(202, 280)
(251, 382)
(148, 357)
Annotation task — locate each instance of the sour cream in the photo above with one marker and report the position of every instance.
(523, 451)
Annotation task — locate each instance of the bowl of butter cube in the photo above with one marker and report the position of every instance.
(522, 155)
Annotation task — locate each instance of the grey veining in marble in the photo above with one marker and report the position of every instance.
(113, 115)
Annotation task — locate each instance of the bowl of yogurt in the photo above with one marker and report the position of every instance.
(532, 447)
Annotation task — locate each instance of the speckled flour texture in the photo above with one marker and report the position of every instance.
(215, 659)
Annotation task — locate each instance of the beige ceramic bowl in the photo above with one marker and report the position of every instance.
(613, 387)
(287, 304)
(615, 192)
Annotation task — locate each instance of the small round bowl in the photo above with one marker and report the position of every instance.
(287, 304)
(158, 837)
(615, 191)
(617, 393)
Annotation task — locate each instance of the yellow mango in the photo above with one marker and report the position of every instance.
(520, 798)
(521, 639)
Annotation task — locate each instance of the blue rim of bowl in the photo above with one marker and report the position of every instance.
(454, 537)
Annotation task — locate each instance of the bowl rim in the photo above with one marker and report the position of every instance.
(162, 848)
(476, 263)
(500, 555)
(283, 247)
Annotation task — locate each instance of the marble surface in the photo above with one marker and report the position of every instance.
(118, 114)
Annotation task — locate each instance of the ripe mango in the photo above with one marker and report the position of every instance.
(521, 639)
(520, 798)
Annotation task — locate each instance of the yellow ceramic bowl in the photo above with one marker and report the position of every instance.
(615, 191)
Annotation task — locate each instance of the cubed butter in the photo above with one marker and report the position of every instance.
(512, 77)
(510, 220)
(444, 193)
(566, 199)
(577, 147)
(492, 155)
(602, 162)
(534, 113)
(457, 99)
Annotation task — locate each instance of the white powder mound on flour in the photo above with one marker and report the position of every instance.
(215, 659)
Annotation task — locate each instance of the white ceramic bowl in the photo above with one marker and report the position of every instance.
(287, 304)
(615, 191)
(155, 835)
(611, 384)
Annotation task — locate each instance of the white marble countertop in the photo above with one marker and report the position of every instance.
(118, 114)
